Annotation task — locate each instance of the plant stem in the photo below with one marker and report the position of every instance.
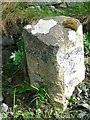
(14, 100)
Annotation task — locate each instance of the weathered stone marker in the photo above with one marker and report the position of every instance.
(55, 56)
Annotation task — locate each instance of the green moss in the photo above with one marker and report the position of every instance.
(70, 23)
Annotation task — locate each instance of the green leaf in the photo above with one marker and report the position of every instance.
(17, 57)
(88, 63)
(23, 88)
(86, 42)
(37, 103)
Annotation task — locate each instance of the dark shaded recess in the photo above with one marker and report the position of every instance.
(57, 5)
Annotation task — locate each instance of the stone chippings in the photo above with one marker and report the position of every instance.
(55, 57)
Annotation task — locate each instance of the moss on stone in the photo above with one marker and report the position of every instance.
(70, 23)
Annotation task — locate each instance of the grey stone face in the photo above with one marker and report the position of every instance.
(55, 57)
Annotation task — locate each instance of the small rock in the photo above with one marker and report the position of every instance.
(32, 7)
(52, 7)
(4, 107)
(38, 7)
(85, 105)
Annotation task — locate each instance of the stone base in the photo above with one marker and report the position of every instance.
(55, 56)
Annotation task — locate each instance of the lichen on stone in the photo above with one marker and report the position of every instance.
(70, 23)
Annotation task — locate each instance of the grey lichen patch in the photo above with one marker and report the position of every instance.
(72, 35)
(43, 26)
(79, 30)
(71, 23)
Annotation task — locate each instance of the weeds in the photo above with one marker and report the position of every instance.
(17, 57)
(86, 43)
(40, 99)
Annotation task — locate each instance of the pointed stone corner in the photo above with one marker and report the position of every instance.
(55, 56)
(42, 27)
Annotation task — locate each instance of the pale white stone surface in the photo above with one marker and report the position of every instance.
(79, 30)
(43, 26)
(72, 61)
(28, 27)
(72, 35)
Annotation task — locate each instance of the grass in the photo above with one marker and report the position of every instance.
(40, 101)
(86, 43)
(25, 13)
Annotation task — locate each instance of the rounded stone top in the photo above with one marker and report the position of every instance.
(54, 30)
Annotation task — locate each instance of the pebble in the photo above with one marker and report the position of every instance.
(4, 107)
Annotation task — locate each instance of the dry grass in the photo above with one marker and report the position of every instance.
(18, 14)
